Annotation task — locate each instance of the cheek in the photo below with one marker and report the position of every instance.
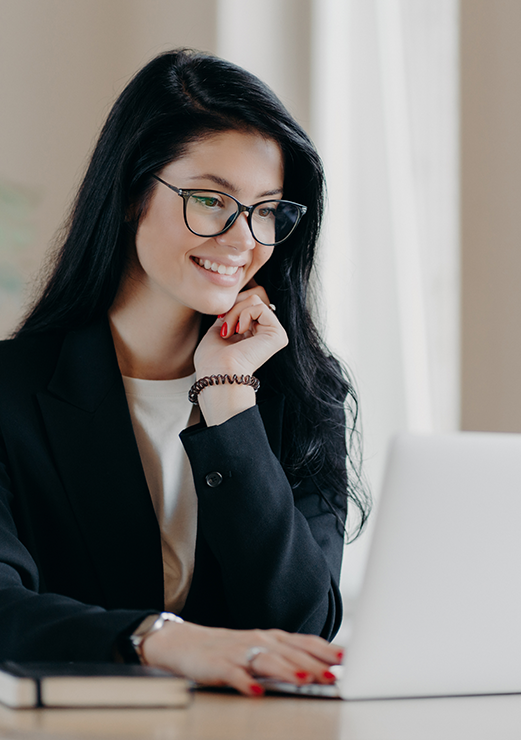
(152, 260)
(160, 245)
(152, 254)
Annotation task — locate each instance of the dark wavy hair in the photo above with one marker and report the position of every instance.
(176, 99)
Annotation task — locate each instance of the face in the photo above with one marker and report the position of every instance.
(174, 266)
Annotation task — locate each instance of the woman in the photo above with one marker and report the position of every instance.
(106, 520)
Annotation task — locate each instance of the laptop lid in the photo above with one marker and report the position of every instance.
(440, 608)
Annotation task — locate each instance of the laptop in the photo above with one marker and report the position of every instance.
(440, 609)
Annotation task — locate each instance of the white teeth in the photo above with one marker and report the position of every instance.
(216, 267)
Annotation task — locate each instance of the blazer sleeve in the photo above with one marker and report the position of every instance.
(47, 626)
(279, 557)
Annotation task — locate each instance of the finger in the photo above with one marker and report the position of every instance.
(288, 656)
(274, 665)
(313, 645)
(253, 288)
(296, 666)
(256, 312)
(243, 316)
(240, 679)
(228, 321)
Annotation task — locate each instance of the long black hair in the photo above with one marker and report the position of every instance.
(176, 99)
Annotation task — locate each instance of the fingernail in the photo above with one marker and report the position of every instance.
(329, 676)
(237, 327)
(224, 329)
(340, 656)
(256, 689)
(221, 316)
(302, 675)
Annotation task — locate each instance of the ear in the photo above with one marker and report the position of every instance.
(138, 208)
(133, 214)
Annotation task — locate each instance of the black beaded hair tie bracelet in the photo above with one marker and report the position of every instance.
(203, 383)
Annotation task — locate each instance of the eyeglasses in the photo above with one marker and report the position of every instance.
(211, 213)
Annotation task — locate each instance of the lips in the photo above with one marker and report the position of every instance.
(216, 266)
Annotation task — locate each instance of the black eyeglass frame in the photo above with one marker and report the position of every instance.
(186, 194)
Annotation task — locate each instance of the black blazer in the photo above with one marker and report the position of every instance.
(80, 551)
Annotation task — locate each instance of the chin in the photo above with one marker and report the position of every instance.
(215, 308)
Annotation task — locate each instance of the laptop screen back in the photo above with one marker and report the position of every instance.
(440, 609)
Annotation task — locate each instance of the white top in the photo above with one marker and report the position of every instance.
(160, 410)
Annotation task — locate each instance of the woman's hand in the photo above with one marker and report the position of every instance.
(252, 334)
(241, 341)
(218, 657)
(238, 343)
(251, 289)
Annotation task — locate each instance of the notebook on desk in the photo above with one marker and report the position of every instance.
(440, 609)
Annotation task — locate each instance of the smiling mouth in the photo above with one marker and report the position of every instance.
(215, 266)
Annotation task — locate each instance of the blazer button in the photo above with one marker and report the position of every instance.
(214, 479)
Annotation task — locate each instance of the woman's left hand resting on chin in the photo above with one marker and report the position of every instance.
(239, 342)
(219, 657)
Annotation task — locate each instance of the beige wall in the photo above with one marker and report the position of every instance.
(491, 214)
(62, 62)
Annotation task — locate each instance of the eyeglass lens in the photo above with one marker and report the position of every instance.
(209, 213)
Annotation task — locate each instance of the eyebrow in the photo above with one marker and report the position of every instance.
(222, 182)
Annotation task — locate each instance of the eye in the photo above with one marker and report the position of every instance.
(265, 212)
(206, 200)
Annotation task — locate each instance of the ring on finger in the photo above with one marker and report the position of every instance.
(253, 652)
(272, 306)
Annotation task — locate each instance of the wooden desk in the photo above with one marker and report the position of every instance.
(228, 717)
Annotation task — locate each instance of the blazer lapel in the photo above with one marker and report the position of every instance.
(90, 431)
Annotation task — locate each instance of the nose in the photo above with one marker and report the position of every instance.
(239, 235)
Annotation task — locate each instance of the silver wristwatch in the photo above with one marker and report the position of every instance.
(152, 623)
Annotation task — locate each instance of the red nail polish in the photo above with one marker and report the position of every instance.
(221, 316)
(302, 675)
(256, 689)
(224, 329)
(329, 676)
(340, 656)
(237, 327)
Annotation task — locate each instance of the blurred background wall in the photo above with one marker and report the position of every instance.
(491, 214)
(62, 63)
(415, 107)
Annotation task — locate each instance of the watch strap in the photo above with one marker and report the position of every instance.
(152, 623)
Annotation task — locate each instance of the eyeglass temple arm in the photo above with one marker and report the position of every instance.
(172, 187)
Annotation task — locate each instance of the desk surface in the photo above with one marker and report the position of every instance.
(213, 716)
